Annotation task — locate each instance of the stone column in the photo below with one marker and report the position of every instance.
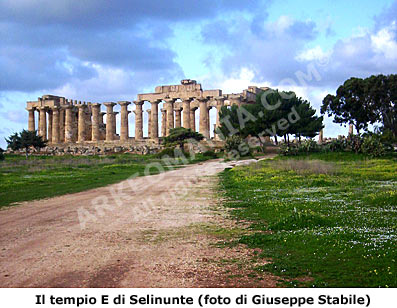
(351, 129)
(169, 106)
(109, 121)
(88, 122)
(43, 122)
(124, 121)
(209, 120)
(155, 119)
(193, 118)
(61, 125)
(220, 102)
(96, 108)
(55, 124)
(203, 124)
(114, 124)
(102, 129)
(101, 114)
(186, 113)
(75, 116)
(31, 122)
(138, 120)
(163, 122)
(69, 117)
(178, 118)
(49, 111)
(321, 137)
(149, 123)
(81, 123)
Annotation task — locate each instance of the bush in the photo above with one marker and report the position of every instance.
(232, 143)
(236, 147)
(373, 146)
(171, 152)
(338, 145)
(308, 146)
(288, 150)
(210, 153)
(353, 143)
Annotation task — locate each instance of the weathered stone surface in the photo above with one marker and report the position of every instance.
(124, 120)
(110, 119)
(66, 121)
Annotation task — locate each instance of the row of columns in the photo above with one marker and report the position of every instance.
(89, 118)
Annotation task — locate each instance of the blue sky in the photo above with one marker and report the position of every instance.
(99, 50)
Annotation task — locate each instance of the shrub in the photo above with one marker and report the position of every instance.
(288, 150)
(210, 153)
(308, 146)
(236, 147)
(171, 152)
(232, 143)
(338, 145)
(373, 146)
(353, 143)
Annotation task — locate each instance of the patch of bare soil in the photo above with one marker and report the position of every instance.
(154, 231)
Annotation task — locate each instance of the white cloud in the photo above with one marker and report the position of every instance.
(313, 54)
(384, 41)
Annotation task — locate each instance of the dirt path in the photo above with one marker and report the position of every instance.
(154, 231)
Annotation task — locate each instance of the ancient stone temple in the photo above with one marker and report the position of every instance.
(65, 121)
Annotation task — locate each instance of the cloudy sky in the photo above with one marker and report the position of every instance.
(100, 50)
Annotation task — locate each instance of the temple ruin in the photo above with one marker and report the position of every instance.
(64, 121)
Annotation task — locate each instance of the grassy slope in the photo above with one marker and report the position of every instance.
(47, 176)
(338, 228)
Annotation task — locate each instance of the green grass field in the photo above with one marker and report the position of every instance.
(47, 176)
(325, 220)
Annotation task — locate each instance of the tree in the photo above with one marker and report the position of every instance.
(350, 105)
(308, 125)
(1, 154)
(25, 140)
(180, 135)
(273, 114)
(259, 119)
(382, 96)
(365, 101)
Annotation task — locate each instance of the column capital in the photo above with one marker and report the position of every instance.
(109, 104)
(124, 103)
(178, 109)
(43, 108)
(193, 109)
(220, 98)
(203, 99)
(81, 106)
(30, 108)
(138, 103)
(55, 108)
(163, 110)
(157, 101)
(170, 100)
(187, 99)
(95, 105)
